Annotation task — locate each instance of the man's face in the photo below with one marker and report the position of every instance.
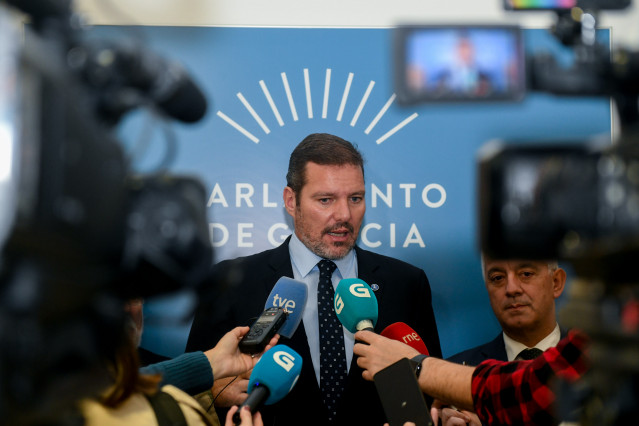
(329, 209)
(522, 294)
(466, 51)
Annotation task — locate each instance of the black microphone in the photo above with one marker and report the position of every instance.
(130, 74)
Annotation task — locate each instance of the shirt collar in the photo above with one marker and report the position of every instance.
(305, 260)
(513, 347)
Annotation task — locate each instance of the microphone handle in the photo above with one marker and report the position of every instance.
(365, 325)
(254, 400)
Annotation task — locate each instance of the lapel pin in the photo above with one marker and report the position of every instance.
(375, 287)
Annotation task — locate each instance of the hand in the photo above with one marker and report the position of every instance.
(451, 416)
(233, 394)
(227, 360)
(455, 417)
(245, 416)
(379, 353)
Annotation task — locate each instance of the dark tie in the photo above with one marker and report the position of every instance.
(333, 370)
(530, 353)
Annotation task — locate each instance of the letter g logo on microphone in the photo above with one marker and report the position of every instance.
(284, 360)
(359, 290)
(339, 304)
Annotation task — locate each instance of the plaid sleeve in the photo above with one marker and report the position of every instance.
(520, 392)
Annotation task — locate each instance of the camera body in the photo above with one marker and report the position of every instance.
(577, 201)
(80, 232)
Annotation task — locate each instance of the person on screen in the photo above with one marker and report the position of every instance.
(463, 76)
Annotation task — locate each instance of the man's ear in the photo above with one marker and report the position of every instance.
(290, 200)
(558, 282)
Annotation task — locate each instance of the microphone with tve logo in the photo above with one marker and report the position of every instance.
(272, 378)
(402, 332)
(355, 305)
(291, 295)
(282, 314)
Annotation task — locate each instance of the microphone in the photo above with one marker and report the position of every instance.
(291, 295)
(122, 69)
(282, 314)
(404, 333)
(355, 305)
(272, 378)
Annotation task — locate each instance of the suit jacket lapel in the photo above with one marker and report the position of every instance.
(366, 266)
(280, 264)
(495, 349)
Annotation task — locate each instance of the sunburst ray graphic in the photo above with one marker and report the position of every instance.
(363, 101)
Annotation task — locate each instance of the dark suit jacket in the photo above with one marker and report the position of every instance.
(241, 288)
(495, 349)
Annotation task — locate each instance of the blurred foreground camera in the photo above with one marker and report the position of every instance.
(80, 232)
(579, 203)
(572, 200)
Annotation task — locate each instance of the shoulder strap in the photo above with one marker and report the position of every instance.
(166, 409)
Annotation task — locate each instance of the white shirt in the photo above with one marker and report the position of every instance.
(513, 347)
(305, 269)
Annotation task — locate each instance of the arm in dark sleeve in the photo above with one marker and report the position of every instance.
(190, 372)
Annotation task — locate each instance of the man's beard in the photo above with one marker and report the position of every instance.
(324, 250)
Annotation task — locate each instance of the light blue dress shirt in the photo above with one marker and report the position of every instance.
(305, 269)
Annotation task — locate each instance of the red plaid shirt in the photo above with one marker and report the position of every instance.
(520, 392)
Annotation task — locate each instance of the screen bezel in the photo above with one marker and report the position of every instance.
(583, 4)
(408, 95)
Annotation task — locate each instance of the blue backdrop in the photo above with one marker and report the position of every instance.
(270, 87)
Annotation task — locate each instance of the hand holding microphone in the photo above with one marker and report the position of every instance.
(227, 360)
(272, 378)
(397, 387)
(356, 308)
(355, 305)
(378, 352)
(402, 332)
(246, 417)
(287, 294)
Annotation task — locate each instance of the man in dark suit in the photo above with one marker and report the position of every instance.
(522, 294)
(325, 195)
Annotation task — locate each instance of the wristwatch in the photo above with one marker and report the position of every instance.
(417, 362)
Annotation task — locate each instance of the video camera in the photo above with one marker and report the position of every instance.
(573, 201)
(80, 232)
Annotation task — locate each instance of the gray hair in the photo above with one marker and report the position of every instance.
(553, 265)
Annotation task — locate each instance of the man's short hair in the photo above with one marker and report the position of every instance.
(552, 264)
(323, 149)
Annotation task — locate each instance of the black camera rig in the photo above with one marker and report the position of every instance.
(80, 232)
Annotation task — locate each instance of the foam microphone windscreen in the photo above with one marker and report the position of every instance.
(291, 295)
(355, 305)
(277, 370)
(405, 334)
